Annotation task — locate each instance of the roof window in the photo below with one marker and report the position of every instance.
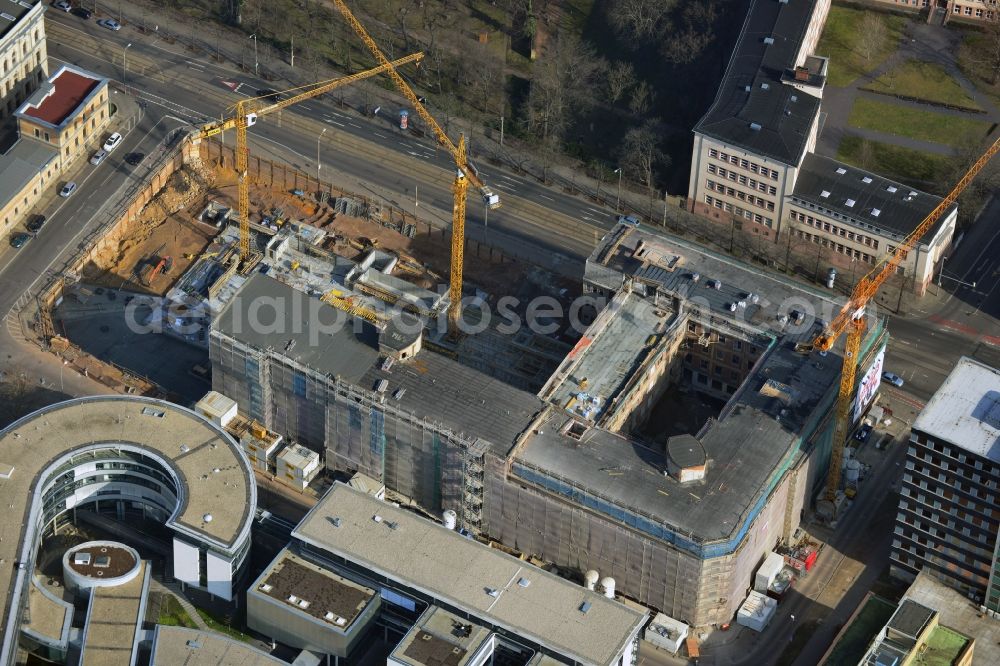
(850, 203)
(755, 127)
(890, 189)
(764, 86)
(841, 171)
(769, 40)
(866, 179)
(876, 212)
(825, 194)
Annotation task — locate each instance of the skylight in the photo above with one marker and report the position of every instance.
(876, 212)
(866, 179)
(890, 189)
(825, 194)
(841, 170)
(850, 203)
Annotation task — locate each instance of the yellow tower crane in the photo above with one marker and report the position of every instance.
(851, 317)
(465, 172)
(247, 112)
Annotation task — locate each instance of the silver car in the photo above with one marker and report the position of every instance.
(68, 189)
(98, 157)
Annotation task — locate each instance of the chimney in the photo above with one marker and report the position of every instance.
(801, 74)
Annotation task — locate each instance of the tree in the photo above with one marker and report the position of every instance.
(483, 78)
(641, 99)
(871, 35)
(561, 85)
(640, 20)
(621, 77)
(692, 34)
(640, 154)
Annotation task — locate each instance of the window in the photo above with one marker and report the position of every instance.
(712, 152)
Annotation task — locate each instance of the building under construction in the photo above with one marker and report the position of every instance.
(570, 472)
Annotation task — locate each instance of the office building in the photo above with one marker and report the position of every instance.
(948, 517)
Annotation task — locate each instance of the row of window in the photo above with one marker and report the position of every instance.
(729, 208)
(752, 199)
(928, 445)
(918, 3)
(743, 180)
(834, 229)
(8, 62)
(842, 249)
(969, 11)
(743, 163)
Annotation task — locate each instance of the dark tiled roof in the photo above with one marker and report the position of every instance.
(900, 207)
(752, 95)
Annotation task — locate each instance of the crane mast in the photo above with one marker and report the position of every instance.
(465, 173)
(246, 113)
(851, 320)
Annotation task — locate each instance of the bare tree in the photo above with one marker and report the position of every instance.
(640, 20)
(561, 86)
(621, 77)
(691, 34)
(640, 154)
(483, 77)
(871, 35)
(986, 51)
(641, 99)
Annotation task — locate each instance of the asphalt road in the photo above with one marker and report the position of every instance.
(69, 222)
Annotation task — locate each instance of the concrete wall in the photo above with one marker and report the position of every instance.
(298, 629)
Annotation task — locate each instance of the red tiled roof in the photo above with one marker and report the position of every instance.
(70, 91)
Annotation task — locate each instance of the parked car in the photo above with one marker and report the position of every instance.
(630, 220)
(113, 142)
(110, 24)
(893, 379)
(82, 12)
(62, 5)
(36, 223)
(68, 189)
(134, 158)
(98, 157)
(18, 240)
(863, 433)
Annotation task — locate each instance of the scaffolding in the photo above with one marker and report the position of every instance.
(474, 478)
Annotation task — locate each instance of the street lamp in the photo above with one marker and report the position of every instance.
(941, 271)
(256, 64)
(317, 153)
(618, 201)
(124, 65)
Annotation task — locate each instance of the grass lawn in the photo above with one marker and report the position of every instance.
(172, 615)
(215, 625)
(853, 643)
(975, 43)
(916, 123)
(926, 81)
(909, 166)
(840, 40)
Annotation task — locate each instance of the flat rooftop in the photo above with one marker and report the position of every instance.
(313, 590)
(753, 109)
(910, 618)
(193, 647)
(12, 11)
(434, 386)
(25, 159)
(616, 256)
(965, 411)
(440, 638)
(496, 588)
(50, 616)
(944, 646)
(62, 97)
(193, 446)
(746, 448)
(955, 610)
(867, 199)
(113, 618)
(608, 355)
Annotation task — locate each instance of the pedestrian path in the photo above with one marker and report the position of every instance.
(172, 589)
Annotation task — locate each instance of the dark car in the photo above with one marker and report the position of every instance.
(36, 224)
(134, 158)
(18, 240)
(863, 433)
(270, 94)
(82, 12)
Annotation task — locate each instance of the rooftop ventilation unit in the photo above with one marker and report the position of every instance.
(825, 194)
(841, 171)
(746, 88)
(381, 385)
(399, 393)
(890, 189)
(913, 193)
(585, 606)
(794, 98)
(755, 127)
(264, 587)
(194, 645)
(866, 180)
(7, 16)
(493, 592)
(765, 86)
(876, 212)
(784, 2)
(769, 40)
(292, 599)
(850, 203)
(523, 582)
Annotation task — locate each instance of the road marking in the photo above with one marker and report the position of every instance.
(545, 196)
(334, 122)
(354, 125)
(195, 64)
(384, 136)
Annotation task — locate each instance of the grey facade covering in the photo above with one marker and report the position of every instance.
(753, 109)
